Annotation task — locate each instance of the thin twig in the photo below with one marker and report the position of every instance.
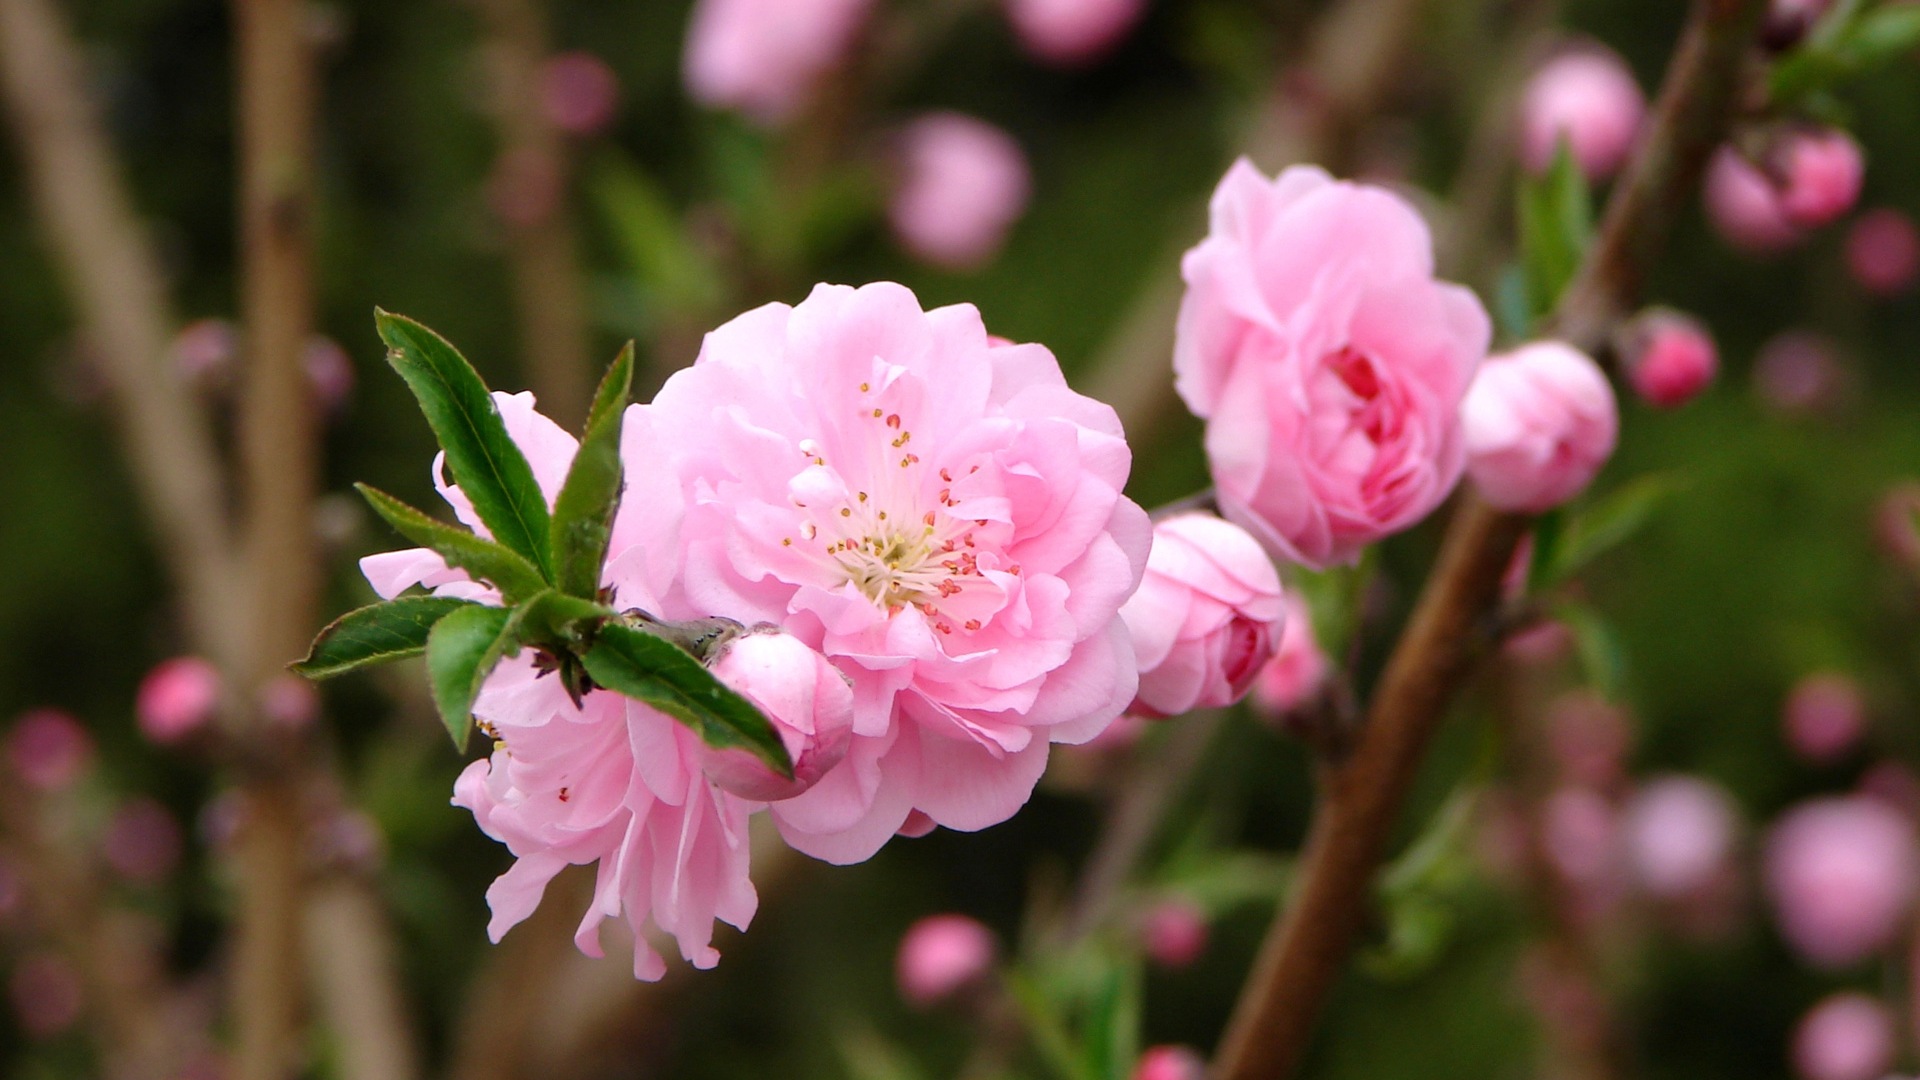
(1363, 793)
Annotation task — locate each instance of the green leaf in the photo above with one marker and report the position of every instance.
(1556, 221)
(1845, 46)
(583, 514)
(393, 630)
(651, 669)
(1112, 1040)
(515, 577)
(1602, 658)
(559, 621)
(462, 651)
(1605, 524)
(488, 466)
(650, 235)
(1045, 1027)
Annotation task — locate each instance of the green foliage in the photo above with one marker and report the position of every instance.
(1556, 223)
(462, 650)
(485, 560)
(1566, 541)
(377, 633)
(584, 511)
(1849, 44)
(649, 668)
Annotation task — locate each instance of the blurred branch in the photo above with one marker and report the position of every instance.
(119, 292)
(1362, 793)
(352, 950)
(531, 178)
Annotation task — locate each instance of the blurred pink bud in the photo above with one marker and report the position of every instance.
(1588, 739)
(1072, 32)
(1680, 835)
(1170, 1063)
(1841, 873)
(1822, 169)
(177, 698)
(1897, 523)
(204, 351)
(221, 819)
(1540, 421)
(49, 749)
(143, 842)
(809, 702)
(46, 995)
(329, 373)
(1894, 784)
(962, 185)
(1544, 641)
(1580, 835)
(1745, 207)
(1824, 718)
(940, 956)
(1789, 20)
(766, 57)
(525, 187)
(1847, 1036)
(1883, 252)
(578, 92)
(1206, 617)
(1799, 372)
(349, 838)
(1175, 933)
(289, 702)
(1669, 357)
(1588, 97)
(1298, 669)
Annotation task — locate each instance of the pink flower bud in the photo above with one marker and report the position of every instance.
(204, 351)
(578, 92)
(329, 373)
(1072, 32)
(1841, 873)
(1545, 641)
(1789, 20)
(1206, 617)
(1824, 718)
(1745, 207)
(46, 994)
(1799, 372)
(1883, 252)
(1174, 933)
(1580, 833)
(1540, 422)
(1822, 169)
(1680, 835)
(962, 185)
(1170, 1063)
(49, 749)
(177, 698)
(1587, 97)
(940, 956)
(1847, 1036)
(765, 57)
(1669, 358)
(1298, 669)
(1897, 523)
(1893, 784)
(809, 702)
(289, 702)
(143, 841)
(1588, 739)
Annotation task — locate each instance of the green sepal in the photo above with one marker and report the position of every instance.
(486, 463)
(375, 634)
(484, 559)
(651, 669)
(1556, 221)
(583, 514)
(462, 650)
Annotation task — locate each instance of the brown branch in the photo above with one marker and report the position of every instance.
(1363, 793)
(92, 231)
(532, 174)
(352, 960)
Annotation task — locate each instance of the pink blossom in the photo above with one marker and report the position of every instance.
(204, 351)
(47, 994)
(177, 698)
(962, 185)
(1822, 169)
(1170, 1063)
(49, 749)
(1298, 669)
(1841, 873)
(1580, 835)
(1540, 422)
(766, 57)
(1072, 32)
(329, 373)
(1588, 739)
(1799, 371)
(143, 841)
(1327, 361)
(1824, 718)
(1174, 933)
(1669, 357)
(940, 956)
(1680, 833)
(808, 702)
(939, 515)
(289, 702)
(1847, 1036)
(1587, 97)
(578, 92)
(1207, 617)
(1883, 252)
(1745, 206)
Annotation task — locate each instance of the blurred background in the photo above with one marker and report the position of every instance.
(1597, 881)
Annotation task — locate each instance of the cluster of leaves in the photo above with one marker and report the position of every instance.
(545, 564)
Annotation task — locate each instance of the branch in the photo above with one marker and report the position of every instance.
(1363, 793)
